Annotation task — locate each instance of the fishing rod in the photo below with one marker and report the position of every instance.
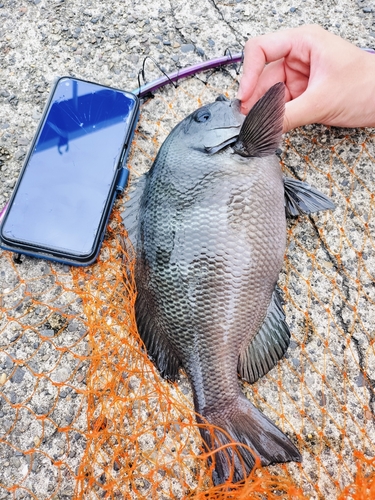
(174, 77)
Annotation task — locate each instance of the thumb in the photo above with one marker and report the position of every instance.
(303, 110)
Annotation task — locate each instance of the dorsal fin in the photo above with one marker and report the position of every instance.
(261, 131)
(132, 208)
(269, 344)
(148, 322)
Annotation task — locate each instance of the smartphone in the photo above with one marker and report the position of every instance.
(72, 174)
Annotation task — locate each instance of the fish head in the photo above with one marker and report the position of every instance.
(219, 124)
(213, 126)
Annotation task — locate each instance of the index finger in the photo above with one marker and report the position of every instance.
(258, 52)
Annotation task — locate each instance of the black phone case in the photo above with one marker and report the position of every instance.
(119, 183)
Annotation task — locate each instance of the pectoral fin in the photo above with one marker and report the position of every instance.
(301, 198)
(261, 131)
(268, 346)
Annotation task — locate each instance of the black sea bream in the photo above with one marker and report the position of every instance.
(208, 226)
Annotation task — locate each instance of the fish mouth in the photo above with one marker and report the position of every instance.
(236, 105)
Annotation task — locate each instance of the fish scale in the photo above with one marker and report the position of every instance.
(208, 226)
(233, 300)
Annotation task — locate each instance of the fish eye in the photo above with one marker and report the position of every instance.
(202, 115)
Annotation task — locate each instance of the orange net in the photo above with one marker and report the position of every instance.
(85, 414)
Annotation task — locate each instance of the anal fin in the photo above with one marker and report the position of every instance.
(301, 198)
(268, 346)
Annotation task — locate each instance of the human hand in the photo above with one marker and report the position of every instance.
(327, 79)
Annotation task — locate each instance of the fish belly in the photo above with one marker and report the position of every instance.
(215, 252)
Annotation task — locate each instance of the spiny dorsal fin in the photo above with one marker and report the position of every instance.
(261, 131)
(301, 198)
(268, 346)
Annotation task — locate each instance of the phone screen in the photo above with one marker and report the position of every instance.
(70, 172)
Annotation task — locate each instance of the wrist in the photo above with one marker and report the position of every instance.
(355, 92)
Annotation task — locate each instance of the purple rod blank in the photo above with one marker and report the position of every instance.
(185, 72)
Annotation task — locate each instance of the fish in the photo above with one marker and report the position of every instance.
(207, 225)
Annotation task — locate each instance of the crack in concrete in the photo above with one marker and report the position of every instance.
(339, 270)
(336, 265)
(235, 32)
(370, 383)
(328, 254)
(175, 22)
(179, 30)
(331, 257)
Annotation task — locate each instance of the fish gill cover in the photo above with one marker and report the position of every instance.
(85, 414)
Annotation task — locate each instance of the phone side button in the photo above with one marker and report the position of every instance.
(122, 179)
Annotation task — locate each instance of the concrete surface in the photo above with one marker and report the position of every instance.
(330, 365)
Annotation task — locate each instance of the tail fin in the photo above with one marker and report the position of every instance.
(243, 423)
